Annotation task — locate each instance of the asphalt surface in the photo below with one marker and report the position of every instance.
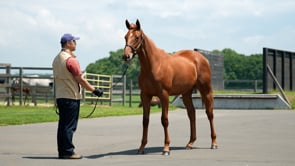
(245, 137)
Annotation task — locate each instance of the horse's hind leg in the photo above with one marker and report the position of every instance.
(187, 100)
(207, 98)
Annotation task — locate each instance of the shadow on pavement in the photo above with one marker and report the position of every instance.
(148, 150)
(40, 157)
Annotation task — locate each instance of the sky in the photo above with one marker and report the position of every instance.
(31, 30)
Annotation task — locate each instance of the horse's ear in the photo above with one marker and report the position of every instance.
(127, 24)
(137, 24)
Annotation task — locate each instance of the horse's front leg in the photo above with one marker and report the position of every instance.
(165, 123)
(146, 105)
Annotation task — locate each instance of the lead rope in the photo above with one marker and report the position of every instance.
(123, 74)
(94, 108)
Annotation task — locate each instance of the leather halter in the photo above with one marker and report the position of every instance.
(134, 49)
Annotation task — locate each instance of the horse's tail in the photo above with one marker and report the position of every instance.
(204, 78)
(203, 102)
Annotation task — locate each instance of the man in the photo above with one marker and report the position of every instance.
(68, 79)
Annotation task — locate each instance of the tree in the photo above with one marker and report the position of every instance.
(114, 65)
(241, 67)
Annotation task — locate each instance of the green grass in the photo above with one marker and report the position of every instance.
(18, 115)
(290, 95)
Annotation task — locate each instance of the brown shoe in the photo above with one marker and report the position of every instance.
(74, 156)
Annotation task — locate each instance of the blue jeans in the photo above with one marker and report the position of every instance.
(68, 121)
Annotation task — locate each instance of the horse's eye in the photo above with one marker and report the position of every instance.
(136, 39)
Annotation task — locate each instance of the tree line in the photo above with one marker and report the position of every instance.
(236, 66)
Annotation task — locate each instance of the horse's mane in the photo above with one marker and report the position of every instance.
(153, 44)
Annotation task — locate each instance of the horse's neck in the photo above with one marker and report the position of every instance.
(149, 57)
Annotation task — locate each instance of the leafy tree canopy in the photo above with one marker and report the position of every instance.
(114, 65)
(241, 67)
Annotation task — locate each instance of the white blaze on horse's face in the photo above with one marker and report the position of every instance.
(133, 42)
(130, 49)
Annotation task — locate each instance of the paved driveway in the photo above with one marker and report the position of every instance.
(245, 137)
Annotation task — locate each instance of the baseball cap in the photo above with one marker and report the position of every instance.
(68, 37)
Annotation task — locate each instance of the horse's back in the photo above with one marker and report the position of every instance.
(195, 57)
(200, 62)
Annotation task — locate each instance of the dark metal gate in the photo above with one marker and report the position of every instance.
(282, 64)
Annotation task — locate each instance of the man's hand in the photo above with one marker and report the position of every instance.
(98, 92)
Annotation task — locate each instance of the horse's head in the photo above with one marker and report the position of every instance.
(134, 40)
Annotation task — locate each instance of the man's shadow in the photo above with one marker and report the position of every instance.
(40, 157)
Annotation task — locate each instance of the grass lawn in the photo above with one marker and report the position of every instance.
(18, 115)
(291, 97)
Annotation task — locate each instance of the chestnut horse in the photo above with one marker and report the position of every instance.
(162, 75)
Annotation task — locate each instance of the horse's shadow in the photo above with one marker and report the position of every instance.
(148, 150)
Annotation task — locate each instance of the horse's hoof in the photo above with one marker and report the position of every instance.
(214, 147)
(188, 148)
(166, 153)
(140, 152)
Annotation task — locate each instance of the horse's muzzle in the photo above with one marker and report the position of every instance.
(127, 58)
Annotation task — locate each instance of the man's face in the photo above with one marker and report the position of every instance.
(71, 45)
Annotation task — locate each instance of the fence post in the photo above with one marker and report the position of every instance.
(264, 71)
(111, 90)
(130, 94)
(8, 89)
(124, 90)
(21, 86)
(255, 86)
